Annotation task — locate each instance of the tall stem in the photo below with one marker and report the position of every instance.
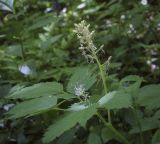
(117, 134)
(101, 73)
(103, 81)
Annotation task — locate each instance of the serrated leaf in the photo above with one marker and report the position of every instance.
(149, 96)
(82, 76)
(67, 122)
(32, 107)
(116, 100)
(37, 90)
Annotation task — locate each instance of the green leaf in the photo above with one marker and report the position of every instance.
(156, 137)
(93, 10)
(149, 96)
(108, 135)
(146, 125)
(157, 114)
(105, 99)
(32, 107)
(116, 100)
(67, 137)
(42, 21)
(37, 90)
(4, 89)
(49, 41)
(131, 78)
(14, 50)
(94, 138)
(65, 96)
(67, 122)
(82, 76)
(131, 84)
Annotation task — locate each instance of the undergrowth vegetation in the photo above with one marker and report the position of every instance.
(79, 72)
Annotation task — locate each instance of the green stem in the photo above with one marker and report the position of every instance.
(103, 81)
(117, 133)
(101, 73)
(139, 124)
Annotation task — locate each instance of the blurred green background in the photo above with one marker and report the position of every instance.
(37, 44)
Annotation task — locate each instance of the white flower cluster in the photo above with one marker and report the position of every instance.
(80, 91)
(85, 36)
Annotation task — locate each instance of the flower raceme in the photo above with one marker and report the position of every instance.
(85, 37)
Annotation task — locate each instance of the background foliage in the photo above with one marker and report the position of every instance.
(40, 64)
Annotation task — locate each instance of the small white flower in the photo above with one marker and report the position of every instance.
(79, 90)
(25, 69)
(144, 2)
